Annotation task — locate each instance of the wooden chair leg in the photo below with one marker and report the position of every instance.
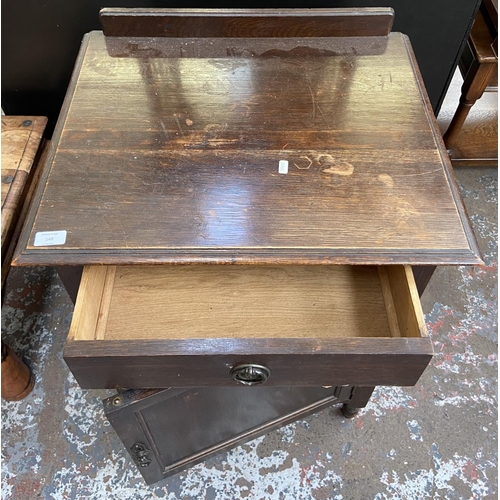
(475, 83)
(17, 379)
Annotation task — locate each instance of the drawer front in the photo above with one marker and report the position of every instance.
(201, 326)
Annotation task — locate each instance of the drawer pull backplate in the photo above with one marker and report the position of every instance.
(250, 374)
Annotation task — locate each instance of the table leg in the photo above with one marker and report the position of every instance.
(475, 83)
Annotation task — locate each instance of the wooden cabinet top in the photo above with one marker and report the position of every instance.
(169, 151)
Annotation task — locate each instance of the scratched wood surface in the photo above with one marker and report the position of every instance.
(21, 139)
(175, 160)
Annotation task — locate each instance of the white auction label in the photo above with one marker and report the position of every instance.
(47, 238)
(283, 167)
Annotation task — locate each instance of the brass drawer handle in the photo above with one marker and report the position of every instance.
(250, 374)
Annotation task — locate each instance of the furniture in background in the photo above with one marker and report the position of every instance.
(246, 192)
(22, 146)
(479, 68)
(41, 41)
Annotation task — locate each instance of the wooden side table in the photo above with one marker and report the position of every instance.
(247, 191)
(21, 148)
(479, 67)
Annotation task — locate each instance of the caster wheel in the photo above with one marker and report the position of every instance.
(348, 412)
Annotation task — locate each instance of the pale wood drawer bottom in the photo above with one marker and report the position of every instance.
(189, 326)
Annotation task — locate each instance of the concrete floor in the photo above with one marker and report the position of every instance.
(436, 440)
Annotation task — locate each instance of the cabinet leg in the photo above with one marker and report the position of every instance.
(359, 399)
(348, 412)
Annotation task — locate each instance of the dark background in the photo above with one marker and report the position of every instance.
(41, 38)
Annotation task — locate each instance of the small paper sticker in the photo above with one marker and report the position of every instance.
(47, 238)
(283, 167)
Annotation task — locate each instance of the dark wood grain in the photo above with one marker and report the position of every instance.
(50, 151)
(293, 362)
(176, 161)
(184, 427)
(205, 23)
(448, 170)
(181, 48)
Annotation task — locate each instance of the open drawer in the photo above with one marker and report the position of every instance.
(201, 325)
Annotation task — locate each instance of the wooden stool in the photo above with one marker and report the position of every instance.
(21, 140)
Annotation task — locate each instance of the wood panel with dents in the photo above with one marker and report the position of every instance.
(23, 155)
(21, 138)
(178, 162)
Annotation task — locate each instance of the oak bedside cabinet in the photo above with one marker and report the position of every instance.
(247, 191)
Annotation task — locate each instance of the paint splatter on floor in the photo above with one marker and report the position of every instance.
(436, 440)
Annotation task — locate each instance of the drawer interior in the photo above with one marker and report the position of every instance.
(204, 302)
